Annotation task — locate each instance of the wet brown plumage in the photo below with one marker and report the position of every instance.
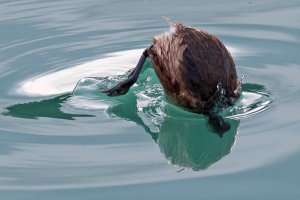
(190, 63)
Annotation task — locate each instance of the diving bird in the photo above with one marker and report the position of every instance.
(194, 68)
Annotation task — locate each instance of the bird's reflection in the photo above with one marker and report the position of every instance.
(190, 143)
(185, 139)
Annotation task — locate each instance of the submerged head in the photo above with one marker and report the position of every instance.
(190, 64)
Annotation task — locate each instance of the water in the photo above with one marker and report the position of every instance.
(57, 143)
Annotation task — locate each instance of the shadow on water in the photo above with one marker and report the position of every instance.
(51, 108)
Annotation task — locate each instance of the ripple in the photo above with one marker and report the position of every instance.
(174, 131)
(252, 101)
(87, 139)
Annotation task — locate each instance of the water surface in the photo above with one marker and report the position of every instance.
(68, 141)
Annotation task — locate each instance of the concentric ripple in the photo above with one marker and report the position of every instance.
(56, 136)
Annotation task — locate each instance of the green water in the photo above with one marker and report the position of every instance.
(60, 138)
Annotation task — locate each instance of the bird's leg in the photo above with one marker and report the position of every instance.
(123, 87)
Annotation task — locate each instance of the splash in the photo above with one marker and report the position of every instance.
(151, 102)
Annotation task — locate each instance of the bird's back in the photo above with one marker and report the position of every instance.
(190, 63)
